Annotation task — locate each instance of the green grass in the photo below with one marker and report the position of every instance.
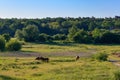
(70, 47)
(59, 68)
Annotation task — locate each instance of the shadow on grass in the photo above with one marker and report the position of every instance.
(3, 77)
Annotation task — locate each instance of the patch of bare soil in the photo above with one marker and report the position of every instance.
(35, 54)
(115, 62)
(19, 54)
(81, 54)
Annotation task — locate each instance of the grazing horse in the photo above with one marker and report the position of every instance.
(37, 58)
(42, 59)
(77, 58)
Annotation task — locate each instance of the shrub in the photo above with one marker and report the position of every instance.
(13, 45)
(6, 37)
(2, 43)
(117, 75)
(44, 37)
(101, 56)
(59, 37)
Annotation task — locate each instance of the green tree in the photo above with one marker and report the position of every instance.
(31, 33)
(72, 32)
(107, 24)
(6, 37)
(96, 34)
(82, 37)
(19, 35)
(92, 26)
(117, 24)
(13, 45)
(109, 38)
(2, 43)
(59, 37)
(44, 38)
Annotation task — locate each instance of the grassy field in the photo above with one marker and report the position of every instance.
(62, 65)
(70, 49)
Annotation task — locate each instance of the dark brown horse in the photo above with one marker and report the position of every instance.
(37, 58)
(42, 59)
(77, 58)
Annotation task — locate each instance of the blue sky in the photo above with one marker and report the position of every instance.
(58, 8)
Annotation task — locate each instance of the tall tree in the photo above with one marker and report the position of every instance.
(31, 33)
(72, 32)
(2, 43)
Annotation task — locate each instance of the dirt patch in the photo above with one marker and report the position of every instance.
(35, 54)
(115, 62)
(19, 54)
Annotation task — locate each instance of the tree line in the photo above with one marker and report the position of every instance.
(80, 30)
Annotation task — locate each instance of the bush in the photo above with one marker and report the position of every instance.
(59, 37)
(2, 43)
(6, 37)
(13, 45)
(44, 38)
(117, 75)
(101, 56)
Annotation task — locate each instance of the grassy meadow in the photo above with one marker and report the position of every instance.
(62, 64)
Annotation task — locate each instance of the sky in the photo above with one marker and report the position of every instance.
(58, 8)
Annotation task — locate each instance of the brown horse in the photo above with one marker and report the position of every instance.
(37, 58)
(42, 59)
(77, 58)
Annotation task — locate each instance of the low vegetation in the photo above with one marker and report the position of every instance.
(62, 64)
(13, 45)
(117, 75)
(101, 56)
(58, 68)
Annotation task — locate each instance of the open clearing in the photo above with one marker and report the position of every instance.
(62, 66)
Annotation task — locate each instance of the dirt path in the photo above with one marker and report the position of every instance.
(115, 62)
(35, 54)
(19, 54)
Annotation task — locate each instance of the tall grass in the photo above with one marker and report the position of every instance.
(59, 68)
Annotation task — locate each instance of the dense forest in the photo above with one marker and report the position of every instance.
(79, 30)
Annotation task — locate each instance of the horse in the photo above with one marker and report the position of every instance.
(37, 58)
(77, 58)
(42, 59)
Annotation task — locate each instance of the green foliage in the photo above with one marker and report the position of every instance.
(44, 37)
(31, 33)
(29, 29)
(117, 75)
(2, 43)
(19, 34)
(72, 32)
(6, 37)
(13, 45)
(107, 24)
(109, 37)
(81, 37)
(101, 56)
(59, 37)
(117, 24)
(96, 34)
(92, 26)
